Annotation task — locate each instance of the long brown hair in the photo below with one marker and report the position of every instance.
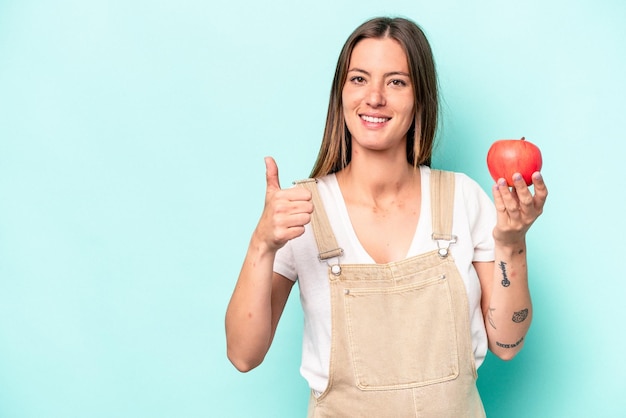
(335, 150)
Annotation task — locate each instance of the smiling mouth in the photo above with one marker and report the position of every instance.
(373, 119)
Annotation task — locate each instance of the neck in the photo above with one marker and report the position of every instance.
(378, 177)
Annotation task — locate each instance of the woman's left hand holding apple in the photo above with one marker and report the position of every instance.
(517, 208)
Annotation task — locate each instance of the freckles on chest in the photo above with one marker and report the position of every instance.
(385, 234)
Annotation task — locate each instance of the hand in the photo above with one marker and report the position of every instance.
(517, 207)
(285, 212)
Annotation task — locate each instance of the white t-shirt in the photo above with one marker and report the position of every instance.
(473, 221)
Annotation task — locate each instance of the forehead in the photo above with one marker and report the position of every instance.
(379, 53)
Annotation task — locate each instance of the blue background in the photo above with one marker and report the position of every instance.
(132, 137)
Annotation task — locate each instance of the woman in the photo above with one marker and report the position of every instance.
(406, 274)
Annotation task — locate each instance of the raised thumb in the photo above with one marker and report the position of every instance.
(271, 174)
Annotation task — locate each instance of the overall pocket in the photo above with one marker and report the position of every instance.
(403, 336)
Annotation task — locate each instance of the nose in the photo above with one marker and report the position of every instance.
(375, 95)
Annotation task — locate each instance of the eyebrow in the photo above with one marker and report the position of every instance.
(386, 74)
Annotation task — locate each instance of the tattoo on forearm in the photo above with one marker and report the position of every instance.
(490, 317)
(520, 316)
(505, 279)
(510, 345)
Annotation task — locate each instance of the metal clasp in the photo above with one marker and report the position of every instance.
(334, 265)
(443, 244)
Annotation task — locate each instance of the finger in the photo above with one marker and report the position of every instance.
(541, 191)
(287, 210)
(509, 200)
(294, 232)
(295, 194)
(521, 193)
(519, 184)
(291, 226)
(298, 219)
(301, 207)
(271, 174)
(497, 197)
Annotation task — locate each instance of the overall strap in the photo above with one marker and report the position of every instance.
(326, 243)
(442, 207)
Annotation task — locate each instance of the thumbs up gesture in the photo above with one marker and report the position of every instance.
(285, 212)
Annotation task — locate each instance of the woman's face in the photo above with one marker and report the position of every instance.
(377, 97)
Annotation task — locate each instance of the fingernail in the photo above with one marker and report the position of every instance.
(502, 182)
(517, 177)
(537, 176)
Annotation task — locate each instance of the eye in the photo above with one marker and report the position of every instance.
(398, 83)
(357, 79)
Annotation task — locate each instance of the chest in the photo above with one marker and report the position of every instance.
(385, 233)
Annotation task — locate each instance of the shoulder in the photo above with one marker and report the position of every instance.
(329, 180)
(470, 191)
(468, 186)
(327, 187)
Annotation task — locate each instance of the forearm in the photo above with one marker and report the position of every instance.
(249, 313)
(509, 308)
(506, 297)
(260, 294)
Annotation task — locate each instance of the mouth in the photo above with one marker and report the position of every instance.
(374, 119)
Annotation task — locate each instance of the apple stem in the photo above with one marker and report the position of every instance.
(523, 138)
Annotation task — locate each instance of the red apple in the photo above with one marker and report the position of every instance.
(509, 156)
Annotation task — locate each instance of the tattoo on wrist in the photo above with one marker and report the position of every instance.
(510, 345)
(520, 316)
(490, 317)
(505, 279)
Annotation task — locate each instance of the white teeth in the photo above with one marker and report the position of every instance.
(373, 119)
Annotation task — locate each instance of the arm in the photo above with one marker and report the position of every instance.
(260, 294)
(506, 302)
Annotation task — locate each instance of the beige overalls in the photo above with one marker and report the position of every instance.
(401, 343)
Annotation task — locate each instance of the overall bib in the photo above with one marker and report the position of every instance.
(401, 343)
